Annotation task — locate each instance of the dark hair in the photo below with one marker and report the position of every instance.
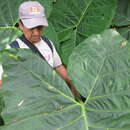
(17, 24)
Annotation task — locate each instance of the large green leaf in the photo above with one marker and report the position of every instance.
(80, 19)
(33, 93)
(67, 41)
(122, 18)
(7, 35)
(99, 67)
(51, 34)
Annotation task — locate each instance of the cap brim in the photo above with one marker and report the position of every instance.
(34, 22)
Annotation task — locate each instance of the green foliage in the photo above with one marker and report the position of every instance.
(75, 20)
(43, 99)
(34, 97)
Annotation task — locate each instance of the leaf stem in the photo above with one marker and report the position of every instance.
(85, 117)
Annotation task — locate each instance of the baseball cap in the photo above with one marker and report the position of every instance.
(32, 14)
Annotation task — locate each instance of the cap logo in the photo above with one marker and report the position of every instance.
(34, 9)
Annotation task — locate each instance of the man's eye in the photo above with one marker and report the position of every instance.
(40, 27)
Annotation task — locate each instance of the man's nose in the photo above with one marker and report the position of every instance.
(36, 31)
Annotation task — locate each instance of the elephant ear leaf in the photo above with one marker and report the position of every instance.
(100, 69)
(75, 20)
(100, 72)
(33, 93)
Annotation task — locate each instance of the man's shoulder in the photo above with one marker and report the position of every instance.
(14, 44)
(18, 43)
(48, 42)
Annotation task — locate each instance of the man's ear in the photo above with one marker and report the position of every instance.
(20, 25)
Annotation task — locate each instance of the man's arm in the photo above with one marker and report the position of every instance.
(63, 73)
(0, 83)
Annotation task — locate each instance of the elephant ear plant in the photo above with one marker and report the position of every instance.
(36, 98)
(75, 20)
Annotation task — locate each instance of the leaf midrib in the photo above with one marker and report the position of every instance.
(111, 94)
(37, 76)
(105, 110)
(41, 114)
(96, 79)
(76, 25)
(83, 13)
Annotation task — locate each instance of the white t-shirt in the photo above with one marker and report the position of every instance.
(52, 58)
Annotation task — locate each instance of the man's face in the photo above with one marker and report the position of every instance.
(33, 34)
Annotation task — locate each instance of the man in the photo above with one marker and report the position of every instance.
(32, 23)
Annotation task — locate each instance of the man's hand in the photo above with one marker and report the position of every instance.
(63, 73)
(77, 95)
